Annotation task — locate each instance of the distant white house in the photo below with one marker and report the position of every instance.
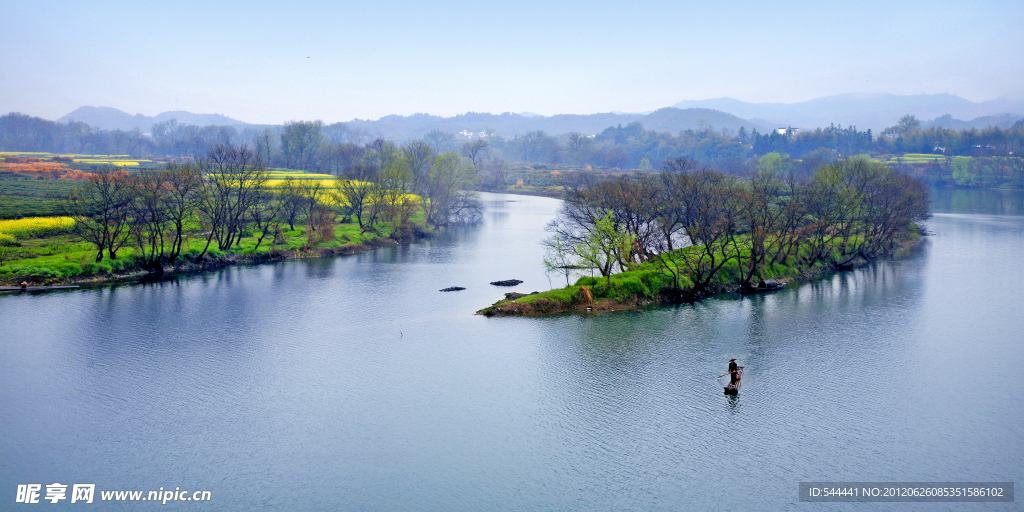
(789, 132)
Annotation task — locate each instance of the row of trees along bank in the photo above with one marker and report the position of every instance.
(334, 148)
(227, 195)
(691, 230)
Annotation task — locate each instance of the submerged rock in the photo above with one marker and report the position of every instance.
(507, 282)
(453, 289)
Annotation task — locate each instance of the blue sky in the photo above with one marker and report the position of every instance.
(270, 62)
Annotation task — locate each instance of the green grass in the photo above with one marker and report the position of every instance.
(916, 158)
(563, 295)
(63, 257)
(22, 196)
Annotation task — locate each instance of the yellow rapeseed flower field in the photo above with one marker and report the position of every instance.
(298, 175)
(33, 154)
(33, 226)
(277, 179)
(119, 163)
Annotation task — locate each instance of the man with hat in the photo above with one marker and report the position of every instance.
(733, 371)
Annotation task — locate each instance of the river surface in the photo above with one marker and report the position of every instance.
(354, 384)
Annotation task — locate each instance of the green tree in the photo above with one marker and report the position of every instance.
(558, 257)
(964, 170)
(605, 246)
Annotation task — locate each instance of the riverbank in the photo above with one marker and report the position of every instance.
(653, 284)
(60, 259)
(209, 264)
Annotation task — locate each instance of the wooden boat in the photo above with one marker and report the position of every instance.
(734, 387)
(766, 285)
(34, 288)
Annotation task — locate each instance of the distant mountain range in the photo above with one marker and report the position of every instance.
(874, 111)
(417, 125)
(947, 121)
(113, 119)
(509, 124)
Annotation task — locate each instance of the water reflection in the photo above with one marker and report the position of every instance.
(989, 201)
(323, 268)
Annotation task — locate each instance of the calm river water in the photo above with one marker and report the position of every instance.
(354, 384)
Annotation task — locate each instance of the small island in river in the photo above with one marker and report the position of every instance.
(692, 233)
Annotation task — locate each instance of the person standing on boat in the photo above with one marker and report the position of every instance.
(733, 371)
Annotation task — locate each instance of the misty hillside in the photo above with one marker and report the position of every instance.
(508, 124)
(415, 126)
(110, 118)
(947, 121)
(874, 111)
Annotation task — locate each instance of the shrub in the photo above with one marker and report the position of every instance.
(631, 286)
(121, 265)
(42, 274)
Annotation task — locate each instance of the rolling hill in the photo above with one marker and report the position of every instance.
(874, 111)
(110, 118)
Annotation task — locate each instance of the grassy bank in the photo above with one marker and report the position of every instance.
(41, 247)
(51, 254)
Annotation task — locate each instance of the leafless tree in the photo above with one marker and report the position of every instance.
(709, 221)
(362, 201)
(449, 176)
(101, 208)
(235, 180)
(300, 143)
(439, 141)
(264, 213)
(184, 183)
(475, 151)
(419, 157)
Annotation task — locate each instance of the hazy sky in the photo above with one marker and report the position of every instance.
(269, 62)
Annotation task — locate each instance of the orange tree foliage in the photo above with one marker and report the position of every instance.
(45, 170)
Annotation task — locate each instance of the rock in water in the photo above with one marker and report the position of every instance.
(453, 289)
(507, 282)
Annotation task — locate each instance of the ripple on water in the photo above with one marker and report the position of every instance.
(355, 374)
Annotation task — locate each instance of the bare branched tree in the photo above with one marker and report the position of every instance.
(235, 179)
